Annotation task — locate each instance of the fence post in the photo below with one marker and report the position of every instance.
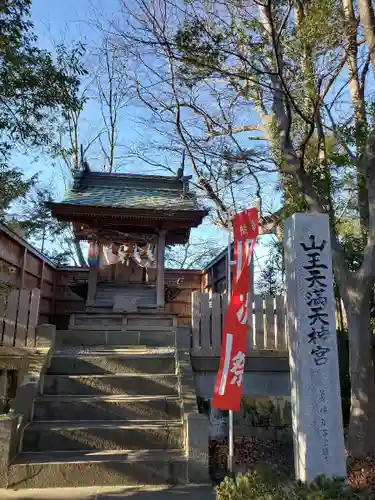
(280, 323)
(270, 322)
(195, 320)
(11, 318)
(250, 329)
(33, 316)
(259, 322)
(3, 303)
(22, 318)
(216, 326)
(205, 325)
(224, 305)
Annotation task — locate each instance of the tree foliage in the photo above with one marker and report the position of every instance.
(276, 93)
(36, 220)
(32, 85)
(34, 89)
(269, 281)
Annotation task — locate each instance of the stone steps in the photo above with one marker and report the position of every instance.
(103, 361)
(125, 384)
(116, 321)
(143, 308)
(107, 408)
(162, 337)
(89, 435)
(114, 468)
(109, 412)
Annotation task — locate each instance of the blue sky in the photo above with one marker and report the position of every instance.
(69, 21)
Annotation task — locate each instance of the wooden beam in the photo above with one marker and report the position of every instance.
(160, 270)
(53, 304)
(22, 319)
(22, 270)
(42, 279)
(3, 306)
(33, 316)
(11, 317)
(15, 237)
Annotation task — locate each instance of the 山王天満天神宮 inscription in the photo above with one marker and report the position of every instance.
(316, 300)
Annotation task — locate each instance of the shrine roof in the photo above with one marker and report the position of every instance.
(129, 191)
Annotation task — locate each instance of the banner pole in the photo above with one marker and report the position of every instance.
(229, 292)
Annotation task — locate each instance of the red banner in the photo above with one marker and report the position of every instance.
(228, 387)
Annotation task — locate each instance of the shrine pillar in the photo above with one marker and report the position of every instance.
(160, 270)
(93, 280)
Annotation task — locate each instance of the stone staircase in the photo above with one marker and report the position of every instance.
(110, 411)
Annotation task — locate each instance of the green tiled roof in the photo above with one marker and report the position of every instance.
(131, 192)
(108, 196)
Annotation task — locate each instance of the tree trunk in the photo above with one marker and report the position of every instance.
(366, 15)
(361, 434)
(78, 249)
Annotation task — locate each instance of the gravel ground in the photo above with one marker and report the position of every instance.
(254, 453)
(362, 474)
(250, 453)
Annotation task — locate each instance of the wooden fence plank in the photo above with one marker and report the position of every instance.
(22, 318)
(11, 318)
(224, 305)
(195, 319)
(216, 326)
(205, 329)
(250, 341)
(280, 323)
(22, 270)
(270, 322)
(259, 322)
(3, 303)
(33, 316)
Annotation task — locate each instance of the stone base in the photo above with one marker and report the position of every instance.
(76, 469)
(197, 443)
(124, 304)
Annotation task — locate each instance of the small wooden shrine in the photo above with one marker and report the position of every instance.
(128, 220)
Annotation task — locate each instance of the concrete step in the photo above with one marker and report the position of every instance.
(60, 408)
(108, 309)
(97, 321)
(165, 336)
(88, 435)
(116, 321)
(100, 309)
(125, 384)
(101, 361)
(119, 468)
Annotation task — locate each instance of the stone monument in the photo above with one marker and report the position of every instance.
(314, 370)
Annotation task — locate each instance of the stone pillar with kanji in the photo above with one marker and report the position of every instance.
(314, 370)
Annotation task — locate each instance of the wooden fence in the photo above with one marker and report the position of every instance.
(19, 311)
(22, 266)
(266, 325)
